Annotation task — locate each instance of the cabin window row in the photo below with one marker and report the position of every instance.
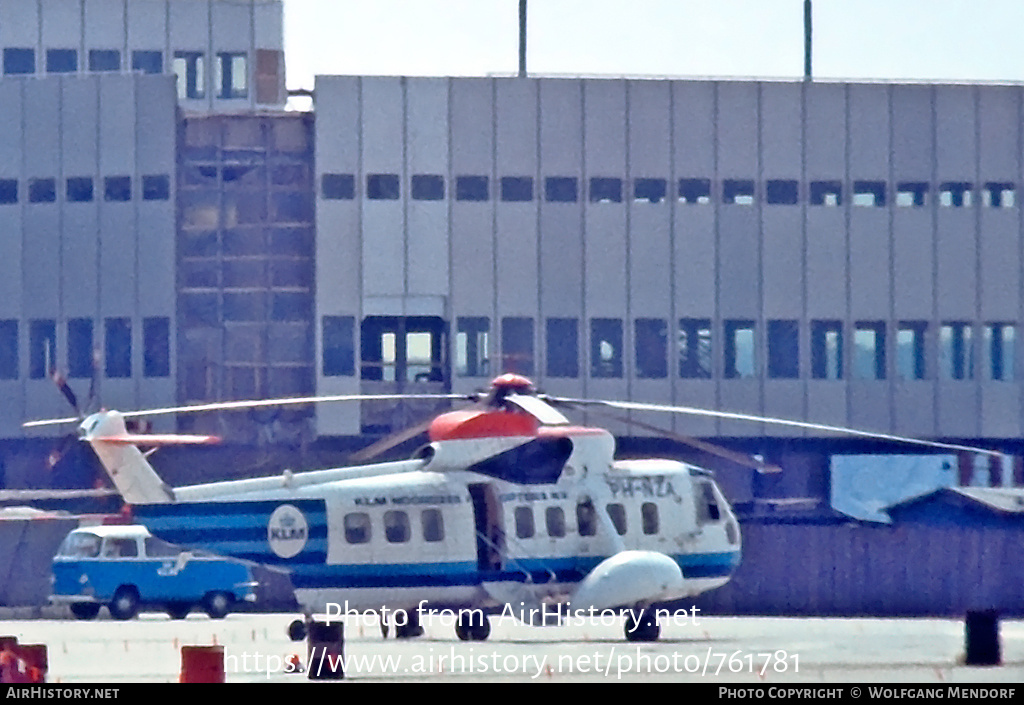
(694, 191)
(114, 358)
(555, 524)
(396, 526)
(85, 189)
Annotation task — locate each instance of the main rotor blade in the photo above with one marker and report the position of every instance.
(364, 455)
(734, 416)
(257, 404)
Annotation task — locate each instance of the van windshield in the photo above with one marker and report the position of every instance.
(80, 545)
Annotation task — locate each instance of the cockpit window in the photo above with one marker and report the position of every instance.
(707, 504)
(80, 545)
(649, 516)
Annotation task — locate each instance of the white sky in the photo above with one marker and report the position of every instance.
(866, 39)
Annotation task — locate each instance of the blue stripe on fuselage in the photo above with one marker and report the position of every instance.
(239, 529)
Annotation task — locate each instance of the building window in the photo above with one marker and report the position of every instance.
(554, 521)
(524, 522)
(156, 346)
(156, 187)
(605, 190)
(42, 190)
(617, 513)
(563, 347)
(190, 68)
(695, 191)
(826, 193)
(9, 349)
(517, 189)
(8, 191)
(338, 187)
(517, 345)
(117, 188)
(427, 187)
(1000, 347)
(232, 75)
(955, 194)
(783, 349)
(606, 348)
(781, 192)
(695, 348)
(560, 189)
(148, 61)
(870, 194)
(649, 190)
(651, 348)
(61, 61)
(118, 352)
(739, 192)
(999, 195)
(956, 351)
(80, 348)
(826, 349)
(339, 346)
(382, 187)
(910, 347)
(42, 347)
(432, 523)
(19, 61)
(869, 350)
(104, 60)
(472, 188)
(739, 349)
(79, 189)
(472, 347)
(912, 194)
(357, 527)
(396, 526)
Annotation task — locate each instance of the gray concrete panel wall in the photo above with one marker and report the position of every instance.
(874, 253)
(427, 155)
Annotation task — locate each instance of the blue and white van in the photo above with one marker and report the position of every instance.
(127, 569)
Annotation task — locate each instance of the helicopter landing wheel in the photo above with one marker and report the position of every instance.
(643, 626)
(473, 626)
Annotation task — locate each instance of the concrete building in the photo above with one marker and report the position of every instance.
(92, 94)
(842, 253)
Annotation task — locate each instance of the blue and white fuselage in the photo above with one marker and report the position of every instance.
(497, 510)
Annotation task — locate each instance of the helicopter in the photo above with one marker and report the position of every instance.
(509, 509)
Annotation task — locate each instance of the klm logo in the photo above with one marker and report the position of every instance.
(287, 534)
(287, 531)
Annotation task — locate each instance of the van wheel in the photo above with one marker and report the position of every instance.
(217, 604)
(85, 610)
(178, 610)
(125, 604)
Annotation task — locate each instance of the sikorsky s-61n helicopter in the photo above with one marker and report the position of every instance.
(509, 506)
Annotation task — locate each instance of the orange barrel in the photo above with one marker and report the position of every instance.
(326, 650)
(202, 664)
(36, 662)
